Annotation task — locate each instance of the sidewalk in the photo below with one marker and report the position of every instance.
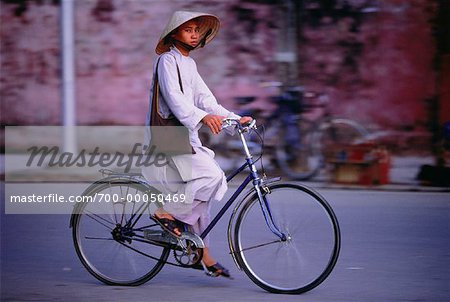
(403, 174)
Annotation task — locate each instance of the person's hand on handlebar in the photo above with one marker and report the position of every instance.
(245, 120)
(214, 122)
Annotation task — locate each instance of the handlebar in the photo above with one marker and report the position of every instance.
(229, 122)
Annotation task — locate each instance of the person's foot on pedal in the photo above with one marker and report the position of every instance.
(211, 267)
(217, 270)
(168, 222)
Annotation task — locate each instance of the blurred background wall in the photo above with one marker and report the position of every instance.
(383, 62)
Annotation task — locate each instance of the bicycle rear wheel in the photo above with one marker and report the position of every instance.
(299, 158)
(309, 254)
(109, 233)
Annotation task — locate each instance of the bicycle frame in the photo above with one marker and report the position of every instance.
(257, 183)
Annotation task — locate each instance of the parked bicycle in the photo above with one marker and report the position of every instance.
(284, 236)
(295, 141)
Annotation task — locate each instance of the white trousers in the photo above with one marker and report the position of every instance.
(198, 177)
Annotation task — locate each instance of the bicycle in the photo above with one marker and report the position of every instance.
(305, 141)
(318, 136)
(286, 225)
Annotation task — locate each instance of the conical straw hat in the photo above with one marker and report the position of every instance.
(206, 22)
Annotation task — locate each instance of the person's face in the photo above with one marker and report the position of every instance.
(188, 33)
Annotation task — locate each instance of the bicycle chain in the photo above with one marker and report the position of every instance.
(174, 248)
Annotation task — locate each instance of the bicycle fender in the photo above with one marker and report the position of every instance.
(248, 195)
(231, 223)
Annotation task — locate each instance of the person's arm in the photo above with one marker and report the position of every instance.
(187, 113)
(206, 100)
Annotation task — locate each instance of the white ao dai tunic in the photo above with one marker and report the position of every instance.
(198, 176)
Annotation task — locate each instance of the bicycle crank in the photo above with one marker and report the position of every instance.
(190, 252)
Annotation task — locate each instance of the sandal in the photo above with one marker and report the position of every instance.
(170, 225)
(215, 270)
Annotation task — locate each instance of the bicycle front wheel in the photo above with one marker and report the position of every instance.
(308, 255)
(109, 233)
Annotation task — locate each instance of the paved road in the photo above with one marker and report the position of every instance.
(395, 247)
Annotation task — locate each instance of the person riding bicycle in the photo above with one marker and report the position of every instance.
(194, 105)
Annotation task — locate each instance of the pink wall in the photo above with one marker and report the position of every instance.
(381, 75)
